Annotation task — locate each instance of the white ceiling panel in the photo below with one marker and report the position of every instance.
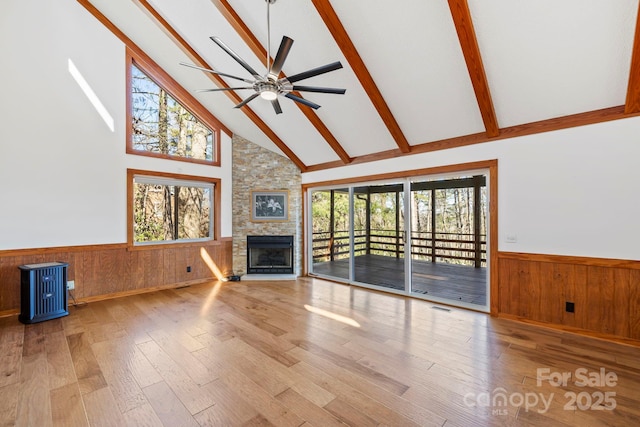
(413, 54)
(549, 58)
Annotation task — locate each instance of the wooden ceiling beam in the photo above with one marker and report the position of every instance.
(550, 125)
(469, 43)
(632, 104)
(256, 47)
(198, 60)
(349, 51)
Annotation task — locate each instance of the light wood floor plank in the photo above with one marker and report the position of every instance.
(371, 375)
(102, 410)
(33, 340)
(349, 415)
(11, 343)
(308, 411)
(132, 319)
(113, 357)
(142, 416)
(267, 405)
(87, 369)
(176, 348)
(255, 365)
(359, 393)
(272, 346)
(230, 408)
(34, 405)
(9, 404)
(60, 365)
(67, 407)
(169, 409)
(175, 376)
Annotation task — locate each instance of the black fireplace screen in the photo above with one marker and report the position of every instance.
(270, 254)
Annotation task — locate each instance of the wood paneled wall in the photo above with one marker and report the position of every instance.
(108, 270)
(606, 293)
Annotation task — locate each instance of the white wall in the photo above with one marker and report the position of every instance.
(62, 169)
(570, 192)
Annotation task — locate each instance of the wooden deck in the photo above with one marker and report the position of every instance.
(449, 281)
(300, 353)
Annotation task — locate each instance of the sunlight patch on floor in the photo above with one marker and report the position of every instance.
(328, 314)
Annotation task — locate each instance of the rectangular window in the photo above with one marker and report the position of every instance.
(172, 209)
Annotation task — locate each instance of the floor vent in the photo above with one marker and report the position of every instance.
(440, 308)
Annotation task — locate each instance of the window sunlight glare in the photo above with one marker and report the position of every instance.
(211, 264)
(93, 98)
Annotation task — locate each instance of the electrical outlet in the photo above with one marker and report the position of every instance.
(512, 238)
(71, 285)
(188, 269)
(569, 307)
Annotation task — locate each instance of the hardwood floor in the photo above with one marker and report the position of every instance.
(305, 352)
(449, 281)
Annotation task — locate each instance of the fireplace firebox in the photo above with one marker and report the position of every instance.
(269, 254)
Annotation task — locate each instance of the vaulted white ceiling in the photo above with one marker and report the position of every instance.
(419, 74)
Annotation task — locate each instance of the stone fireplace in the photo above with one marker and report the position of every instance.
(257, 169)
(270, 254)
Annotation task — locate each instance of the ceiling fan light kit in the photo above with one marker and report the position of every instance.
(269, 86)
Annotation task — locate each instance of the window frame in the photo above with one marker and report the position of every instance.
(188, 102)
(215, 220)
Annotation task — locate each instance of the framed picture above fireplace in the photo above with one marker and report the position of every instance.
(268, 205)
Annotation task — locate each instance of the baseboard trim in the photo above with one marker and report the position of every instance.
(132, 292)
(97, 298)
(8, 313)
(572, 330)
(569, 259)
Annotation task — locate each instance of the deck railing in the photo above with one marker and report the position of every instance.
(458, 248)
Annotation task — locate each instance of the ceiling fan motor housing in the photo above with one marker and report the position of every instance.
(267, 89)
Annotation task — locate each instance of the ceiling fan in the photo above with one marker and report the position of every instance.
(269, 86)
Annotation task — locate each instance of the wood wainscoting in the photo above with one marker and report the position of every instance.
(104, 271)
(605, 293)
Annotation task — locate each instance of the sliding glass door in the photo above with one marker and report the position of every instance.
(330, 235)
(378, 229)
(425, 237)
(448, 239)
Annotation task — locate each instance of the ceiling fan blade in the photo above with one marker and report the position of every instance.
(224, 88)
(248, 100)
(319, 89)
(315, 72)
(216, 72)
(276, 106)
(302, 101)
(235, 56)
(281, 56)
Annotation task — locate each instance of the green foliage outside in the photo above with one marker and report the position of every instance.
(453, 220)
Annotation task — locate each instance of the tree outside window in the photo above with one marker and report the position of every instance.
(167, 210)
(163, 126)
